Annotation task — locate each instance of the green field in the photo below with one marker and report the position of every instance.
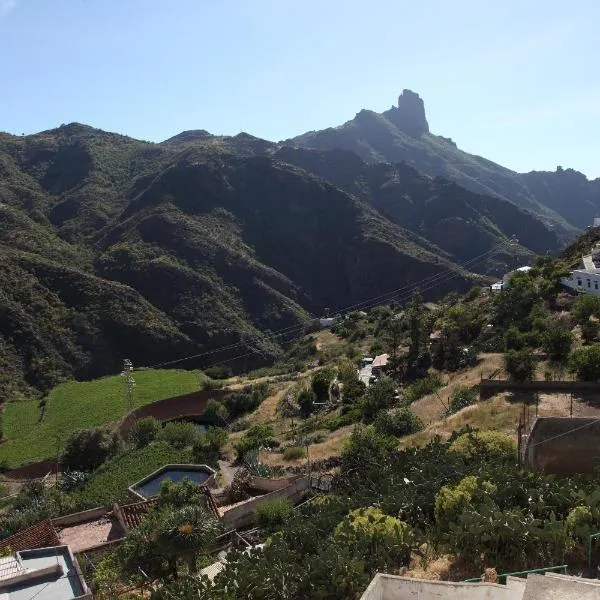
(79, 405)
(110, 482)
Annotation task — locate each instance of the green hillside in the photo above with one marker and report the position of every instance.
(112, 247)
(32, 433)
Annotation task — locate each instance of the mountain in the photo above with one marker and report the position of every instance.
(112, 247)
(566, 200)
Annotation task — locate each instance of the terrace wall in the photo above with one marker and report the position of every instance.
(490, 387)
(563, 445)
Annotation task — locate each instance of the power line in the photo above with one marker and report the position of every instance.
(423, 285)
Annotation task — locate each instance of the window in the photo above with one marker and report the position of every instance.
(579, 282)
(595, 285)
(588, 282)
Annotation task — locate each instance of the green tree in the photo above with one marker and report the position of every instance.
(399, 422)
(306, 402)
(519, 364)
(87, 449)
(585, 363)
(584, 307)
(379, 396)
(484, 445)
(255, 437)
(272, 514)
(179, 434)
(557, 342)
(216, 412)
(145, 431)
(372, 533)
(320, 384)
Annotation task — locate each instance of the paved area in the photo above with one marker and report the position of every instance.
(228, 472)
(365, 373)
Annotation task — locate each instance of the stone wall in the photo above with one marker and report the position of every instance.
(563, 445)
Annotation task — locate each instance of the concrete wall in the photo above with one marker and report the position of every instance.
(583, 281)
(490, 387)
(243, 515)
(266, 484)
(80, 517)
(563, 445)
(391, 587)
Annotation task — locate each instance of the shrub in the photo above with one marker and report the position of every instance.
(579, 522)
(484, 445)
(306, 402)
(557, 342)
(519, 364)
(179, 434)
(379, 396)
(208, 444)
(87, 449)
(239, 425)
(585, 363)
(451, 501)
(246, 400)
(422, 387)
(240, 486)
(294, 453)
(216, 412)
(398, 422)
(462, 397)
(71, 480)
(369, 531)
(219, 372)
(354, 415)
(145, 431)
(272, 514)
(255, 437)
(320, 384)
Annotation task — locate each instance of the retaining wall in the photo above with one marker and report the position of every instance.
(80, 517)
(563, 445)
(243, 515)
(176, 407)
(490, 387)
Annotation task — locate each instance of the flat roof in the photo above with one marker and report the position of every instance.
(61, 583)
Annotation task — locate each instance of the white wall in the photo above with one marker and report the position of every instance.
(583, 281)
(390, 587)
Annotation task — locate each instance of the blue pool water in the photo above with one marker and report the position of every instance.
(152, 486)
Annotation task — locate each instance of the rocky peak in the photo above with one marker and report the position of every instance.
(409, 115)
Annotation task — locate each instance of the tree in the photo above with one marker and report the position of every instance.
(379, 396)
(145, 431)
(399, 422)
(179, 434)
(584, 307)
(484, 445)
(585, 363)
(557, 342)
(306, 402)
(519, 364)
(320, 385)
(87, 449)
(382, 538)
(255, 437)
(216, 412)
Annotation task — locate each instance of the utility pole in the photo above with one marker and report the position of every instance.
(129, 382)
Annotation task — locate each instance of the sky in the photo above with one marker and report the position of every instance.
(515, 81)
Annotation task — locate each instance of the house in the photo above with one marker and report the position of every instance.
(379, 364)
(583, 280)
(50, 573)
(496, 287)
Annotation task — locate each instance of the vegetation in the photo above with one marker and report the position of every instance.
(33, 434)
(294, 453)
(399, 422)
(87, 449)
(272, 514)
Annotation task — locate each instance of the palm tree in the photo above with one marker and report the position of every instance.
(187, 530)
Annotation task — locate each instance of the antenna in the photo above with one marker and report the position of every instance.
(129, 381)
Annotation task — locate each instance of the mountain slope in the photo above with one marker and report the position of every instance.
(401, 134)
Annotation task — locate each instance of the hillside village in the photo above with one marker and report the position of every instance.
(359, 464)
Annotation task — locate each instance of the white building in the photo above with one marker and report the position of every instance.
(584, 280)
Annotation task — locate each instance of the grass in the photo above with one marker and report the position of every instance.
(79, 405)
(110, 482)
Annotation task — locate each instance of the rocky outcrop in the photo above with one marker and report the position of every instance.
(409, 115)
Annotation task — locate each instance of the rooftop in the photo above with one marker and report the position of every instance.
(43, 574)
(40, 535)
(84, 536)
(381, 360)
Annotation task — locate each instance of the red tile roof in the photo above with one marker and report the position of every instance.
(40, 535)
(133, 514)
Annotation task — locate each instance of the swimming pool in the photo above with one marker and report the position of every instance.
(150, 485)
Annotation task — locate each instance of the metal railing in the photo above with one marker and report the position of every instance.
(562, 568)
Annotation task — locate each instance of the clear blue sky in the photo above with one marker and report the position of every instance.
(515, 81)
